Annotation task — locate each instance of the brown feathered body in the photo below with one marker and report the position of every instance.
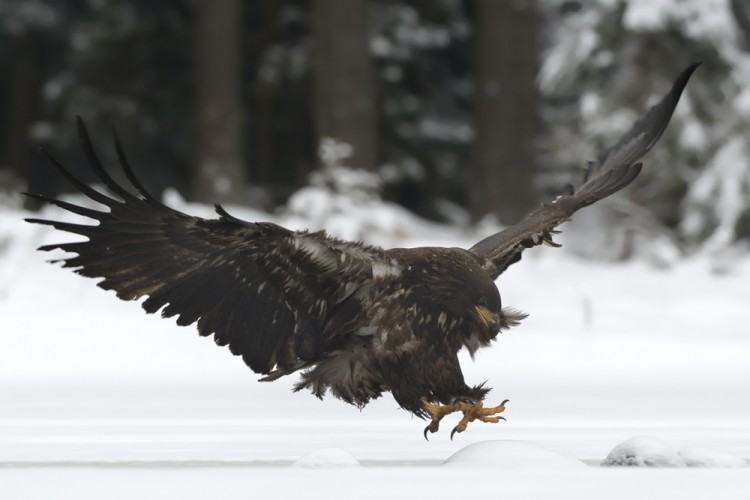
(355, 320)
(411, 321)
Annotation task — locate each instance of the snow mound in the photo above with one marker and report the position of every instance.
(645, 451)
(510, 454)
(327, 458)
(703, 457)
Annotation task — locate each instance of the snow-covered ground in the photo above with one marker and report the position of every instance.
(99, 400)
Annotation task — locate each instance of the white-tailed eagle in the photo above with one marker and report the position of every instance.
(356, 320)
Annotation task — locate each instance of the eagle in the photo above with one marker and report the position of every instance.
(355, 320)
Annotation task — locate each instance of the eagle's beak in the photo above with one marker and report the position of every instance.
(489, 318)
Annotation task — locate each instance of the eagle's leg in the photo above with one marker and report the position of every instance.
(437, 412)
(477, 411)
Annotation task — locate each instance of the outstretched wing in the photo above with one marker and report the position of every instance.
(276, 297)
(615, 168)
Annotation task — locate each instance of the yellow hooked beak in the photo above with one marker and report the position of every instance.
(489, 318)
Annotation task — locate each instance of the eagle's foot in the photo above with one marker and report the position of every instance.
(437, 412)
(472, 411)
(477, 411)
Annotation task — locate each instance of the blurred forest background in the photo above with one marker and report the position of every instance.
(460, 108)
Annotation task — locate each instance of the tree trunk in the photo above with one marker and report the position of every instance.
(344, 79)
(220, 171)
(22, 105)
(506, 58)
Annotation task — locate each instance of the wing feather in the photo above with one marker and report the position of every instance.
(263, 290)
(615, 168)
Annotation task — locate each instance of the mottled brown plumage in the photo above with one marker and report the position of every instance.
(356, 320)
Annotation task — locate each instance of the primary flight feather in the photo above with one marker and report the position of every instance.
(356, 320)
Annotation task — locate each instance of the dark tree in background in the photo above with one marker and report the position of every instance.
(280, 142)
(304, 74)
(344, 83)
(117, 63)
(25, 80)
(506, 62)
(609, 62)
(25, 42)
(422, 52)
(228, 100)
(219, 173)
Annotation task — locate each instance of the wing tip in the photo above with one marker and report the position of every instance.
(682, 80)
(617, 167)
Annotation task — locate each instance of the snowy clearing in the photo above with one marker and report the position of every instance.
(96, 396)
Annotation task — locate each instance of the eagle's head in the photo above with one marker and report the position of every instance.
(487, 316)
(459, 294)
(482, 298)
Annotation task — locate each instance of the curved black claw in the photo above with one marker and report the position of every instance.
(504, 403)
(455, 429)
(502, 418)
(425, 433)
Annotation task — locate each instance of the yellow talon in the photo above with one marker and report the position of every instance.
(471, 411)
